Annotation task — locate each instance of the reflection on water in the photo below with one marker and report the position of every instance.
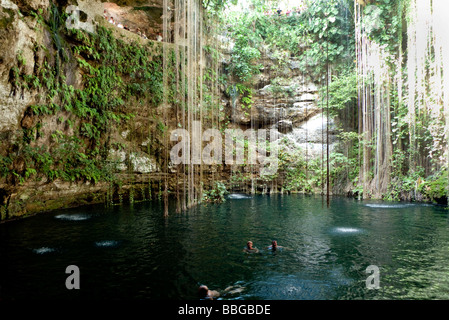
(134, 252)
(73, 217)
(106, 243)
(43, 250)
(346, 230)
(386, 206)
(235, 196)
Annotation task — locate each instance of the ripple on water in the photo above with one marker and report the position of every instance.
(236, 196)
(73, 217)
(388, 206)
(292, 287)
(106, 243)
(43, 250)
(347, 230)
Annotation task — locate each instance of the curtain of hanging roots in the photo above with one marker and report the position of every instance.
(185, 63)
(428, 83)
(373, 78)
(425, 91)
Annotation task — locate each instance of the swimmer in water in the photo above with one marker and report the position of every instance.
(274, 246)
(206, 294)
(249, 248)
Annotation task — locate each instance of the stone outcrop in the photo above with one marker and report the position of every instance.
(287, 100)
(295, 102)
(18, 40)
(145, 15)
(311, 138)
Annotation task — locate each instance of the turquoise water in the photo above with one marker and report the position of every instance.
(133, 252)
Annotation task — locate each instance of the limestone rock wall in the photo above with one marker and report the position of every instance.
(26, 44)
(286, 99)
(18, 40)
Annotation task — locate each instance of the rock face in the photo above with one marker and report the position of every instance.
(288, 102)
(310, 136)
(282, 94)
(284, 126)
(145, 15)
(26, 45)
(18, 40)
(295, 102)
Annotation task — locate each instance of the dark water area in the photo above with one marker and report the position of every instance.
(133, 252)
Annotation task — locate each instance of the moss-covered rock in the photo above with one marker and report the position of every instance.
(437, 188)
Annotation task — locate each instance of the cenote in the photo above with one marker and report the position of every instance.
(134, 252)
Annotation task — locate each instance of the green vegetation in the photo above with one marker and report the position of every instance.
(392, 141)
(115, 75)
(216, 194)
(319, 34)
(396, 153)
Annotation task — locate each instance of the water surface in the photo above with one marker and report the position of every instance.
(133, 252)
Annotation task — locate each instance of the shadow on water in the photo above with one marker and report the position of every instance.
(132, 251)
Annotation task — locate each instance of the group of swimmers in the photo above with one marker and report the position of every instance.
(250, 249)
(205, 293)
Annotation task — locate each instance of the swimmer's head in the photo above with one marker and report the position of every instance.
(203, 291)
(249, 244)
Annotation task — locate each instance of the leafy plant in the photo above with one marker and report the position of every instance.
(216, 194)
